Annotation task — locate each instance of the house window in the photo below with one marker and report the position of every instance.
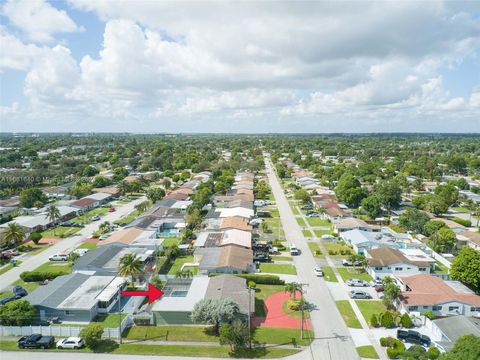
(399, 269)
(475, 309)
(422, 269)
(69, 313)
(436, 308)
(378, 268)
(453, 308)
(412, 308)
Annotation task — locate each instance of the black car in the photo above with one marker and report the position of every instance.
(307, 207)
(413, 337)
(262, 258)
(7, 300)
(36, 341)
(19, 292)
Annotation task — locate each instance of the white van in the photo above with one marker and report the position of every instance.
(293, 250)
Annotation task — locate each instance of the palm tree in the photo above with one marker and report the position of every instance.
(292, 288)
(53, 215)
(14, 233)
(130, 266)
(391, 294)
(142, 207)
(104, 227)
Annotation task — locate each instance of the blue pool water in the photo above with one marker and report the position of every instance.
(169, 233)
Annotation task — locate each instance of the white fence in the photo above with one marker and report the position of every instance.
(60, 331)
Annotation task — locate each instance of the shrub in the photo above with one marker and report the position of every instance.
(262, 279)
(387, 320)
(163, 263)
(332, 252)
(374, 321)
(406, 321)
(35, 237)
(317, 253)
(17, 313)
(29, 276)
(387, 341)
(92, 334)
(294, 305)
(252, 284)
(464, 222)
(396, 349)
(429, 314)
(433, 353)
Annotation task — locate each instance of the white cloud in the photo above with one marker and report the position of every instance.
(15, 54)
(38, 19)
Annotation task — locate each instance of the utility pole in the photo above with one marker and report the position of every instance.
(119, 315)
(302, 308)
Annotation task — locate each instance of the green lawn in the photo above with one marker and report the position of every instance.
(171, 333)
(33, 249)
(272, 222)
(347, 314)
(274, 213)
(460, 209)
(278, 268)
(307, 233)
(127, 219)
(7, 267)
(295, 209)
(328, 274)
(334, 249)
(108, 320)
(352, 272)
(281, 258)
(178, 263)
(87, 245)
(29, 286)
(97, 211)
(301, 222)
(319, 233)
(314, 248)
(56, 266)
(367, 351)
(316, 221)
(171, 350)
(170, 241)
(370, 307)
(60, 232)
(281, 336)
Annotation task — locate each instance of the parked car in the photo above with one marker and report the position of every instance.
(36, 341)
(313, 214)
(70, 343)
(306, 207)
(346, 262)
(19, 292)
(7, 300)
(293, 250)
(264, 214)
(112, 209)
(317, 271)
(357, 294)
(378, 287)
(95, 217)
(327, 237)
(256, 221)
(58, 257)
(104, 237)
(357, 282)
(80, 252)
(413, 337)
(67, 223)
(262, 258)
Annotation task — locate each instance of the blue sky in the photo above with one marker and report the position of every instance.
(221, 66)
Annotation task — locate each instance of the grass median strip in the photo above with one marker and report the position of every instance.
(307, 233)
(370, 307)
(367, 352)
(315, 249)
(328, 274)
(347, 314)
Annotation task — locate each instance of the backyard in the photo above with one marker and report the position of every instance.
(179, 262)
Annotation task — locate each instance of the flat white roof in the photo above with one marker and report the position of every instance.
(111, 289)
(85, 296)
(416, 255)
(99, 196)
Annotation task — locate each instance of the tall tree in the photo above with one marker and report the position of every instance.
(293, 288)
(215, 312)
(14, 233)
(466, 268)
(53, 215)
(130, 266)
(32, 196)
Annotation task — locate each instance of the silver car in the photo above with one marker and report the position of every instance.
(357, 294)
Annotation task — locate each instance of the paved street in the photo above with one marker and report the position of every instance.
(64, 245)
(332, 338)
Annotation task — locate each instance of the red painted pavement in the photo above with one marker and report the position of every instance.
(276, 317)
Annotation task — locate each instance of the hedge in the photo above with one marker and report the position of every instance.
(396, 348)
(464, 222)
(258, 278)
(163, 264)
(29, 276)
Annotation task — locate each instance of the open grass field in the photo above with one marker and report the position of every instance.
(352, 272)
(278, 269)
(171, 333)
(281, 336)
(347, 314)
(370, 307)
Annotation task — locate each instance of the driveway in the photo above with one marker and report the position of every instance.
(332, 338)
(64, 245)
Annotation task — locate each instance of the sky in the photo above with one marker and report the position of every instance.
(239, 66)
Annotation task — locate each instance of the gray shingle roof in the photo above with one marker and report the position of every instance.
(97, 258)
(232, 287)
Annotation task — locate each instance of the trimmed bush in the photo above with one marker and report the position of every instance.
(396, 350)
(374, 321)
(433, 353)
(406, 321)
(429, 314)
(387, 320)
(35, 237)
(294, 305)
(387, 341)
(332, 252)
(29, 276)
(252, 284)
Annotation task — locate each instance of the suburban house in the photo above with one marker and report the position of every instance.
(445, 298)
(352, 223)
(452, 225)
(235, 222)
(100, 197)
(134, 237)
(228, 237)
(228, 259)
(448, 330)
(363, 240)
(232, 287)
(469, 238)
(112, 190)
(105, 260)
(85, 204)
(393, 262)
(76, 297)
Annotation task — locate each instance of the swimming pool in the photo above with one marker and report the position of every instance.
(168, 233)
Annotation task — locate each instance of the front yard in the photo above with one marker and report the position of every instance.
(367, 352)
(171, 333)
(352, 272)
(370, 307)
(347, 314)
(317, 221)
(278, 269)
(60, 232)
(337, 250)
(328, 274)
(315, 249)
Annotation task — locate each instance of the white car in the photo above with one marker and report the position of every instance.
(104, 237)
(95, 218)
(58, 257)
(80, 252)
(70, 343)
(256, 221)
(317, 271)
(327, 237)
(357, 282)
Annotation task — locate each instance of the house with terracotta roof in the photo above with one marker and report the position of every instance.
(445, 298)
(235, 222)
(386, 261)
(85, 204)
(352, 223)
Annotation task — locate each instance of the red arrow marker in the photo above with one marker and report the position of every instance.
(153, 293)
